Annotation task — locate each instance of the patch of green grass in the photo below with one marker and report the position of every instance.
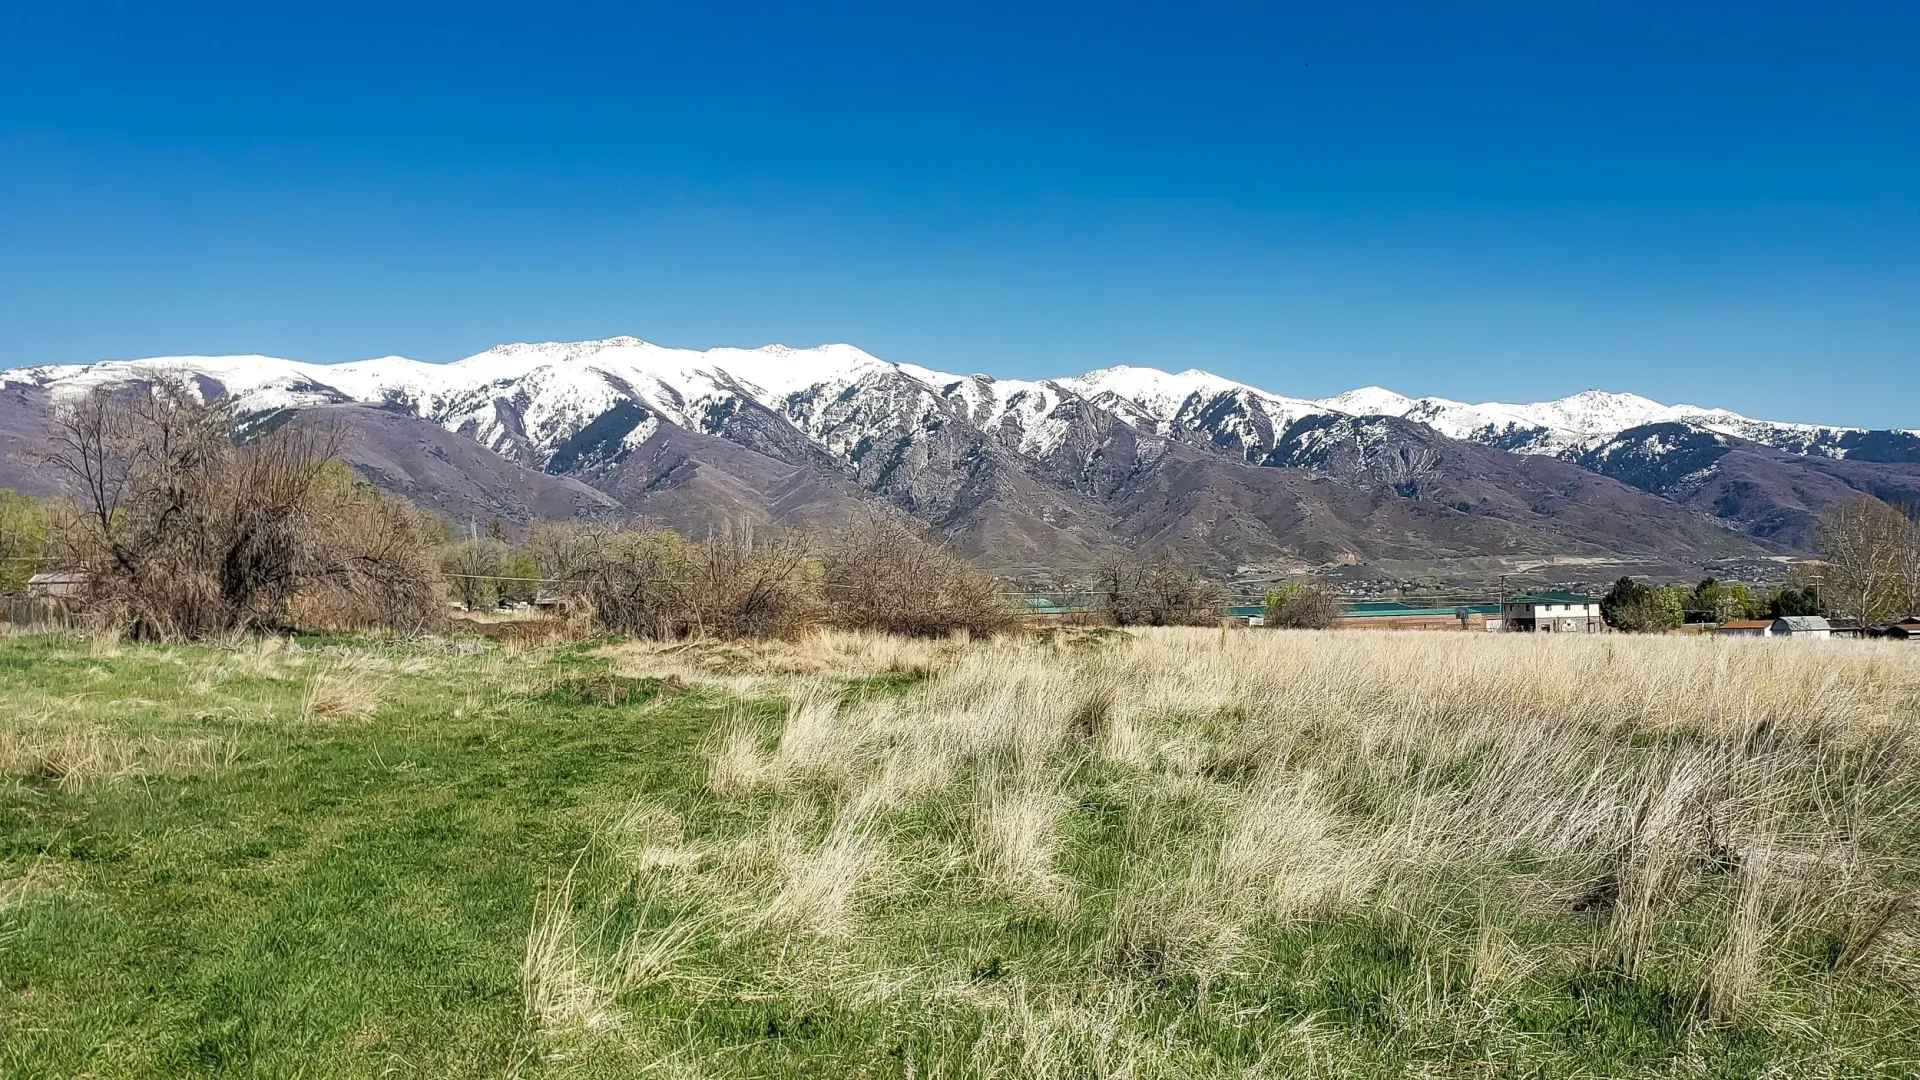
(351, 894)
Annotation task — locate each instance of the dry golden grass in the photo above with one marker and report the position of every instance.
(558, 987)
(341, 692)
(70, 755)
(1285, 777)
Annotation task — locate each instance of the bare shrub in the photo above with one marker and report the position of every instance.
(653, 583)
(883, 573)
(743, 584)
(184, 532)
(1159, 593)
(375, 569)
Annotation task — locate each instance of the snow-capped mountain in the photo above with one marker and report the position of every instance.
(525, 400)
(1146, 455)
(1200, 401)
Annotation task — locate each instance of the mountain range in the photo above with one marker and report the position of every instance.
(1039, 476)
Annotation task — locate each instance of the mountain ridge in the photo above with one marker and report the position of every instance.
(776, 371)
(1039, 471)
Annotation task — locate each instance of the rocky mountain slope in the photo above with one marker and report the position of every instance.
(1052, 473)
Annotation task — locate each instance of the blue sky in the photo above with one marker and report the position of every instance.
(1482, 199)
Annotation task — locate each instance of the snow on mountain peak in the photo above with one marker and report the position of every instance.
(525, 398)
(1369, 401)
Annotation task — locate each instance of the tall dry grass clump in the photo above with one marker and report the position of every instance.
(1724, 810)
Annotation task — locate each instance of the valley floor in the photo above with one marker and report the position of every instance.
(1081, 854)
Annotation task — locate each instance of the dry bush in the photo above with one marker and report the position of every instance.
(652, 583)
(746, 585)
(884, 574)
(1300, 605)
(1159, 593)
(186, 531)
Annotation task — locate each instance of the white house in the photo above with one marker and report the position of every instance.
(1804, 626)
(1552, 612)
(1747, 628)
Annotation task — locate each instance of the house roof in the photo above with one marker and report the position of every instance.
(1551, 597)
(59, 577)
(1746, 624)
(1803, 622)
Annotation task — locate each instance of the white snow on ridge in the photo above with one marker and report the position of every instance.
(837, 393)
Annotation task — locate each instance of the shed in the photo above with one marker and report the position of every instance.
(1907, 629)
(57, 584)
(1806, 626)
(1748, 627)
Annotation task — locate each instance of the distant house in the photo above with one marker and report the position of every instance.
(1806, 626)
(1748, 627)
(57, 585)
(1552, 612)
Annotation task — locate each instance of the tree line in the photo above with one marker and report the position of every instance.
(188, 521)
(1868, 572)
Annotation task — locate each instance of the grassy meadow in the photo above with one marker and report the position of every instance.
(1175, 853)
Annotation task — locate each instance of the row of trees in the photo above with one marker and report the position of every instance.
(1633, 606)
(878, 571)
(182, 529)
(1869, 572)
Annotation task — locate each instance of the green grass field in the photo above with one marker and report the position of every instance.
(443, 858)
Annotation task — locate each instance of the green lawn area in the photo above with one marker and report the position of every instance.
(324, 859)
(347, 896)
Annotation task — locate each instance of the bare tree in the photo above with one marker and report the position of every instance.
(183, 531)
(1870, 566)
(472, 568)
(1159, 593)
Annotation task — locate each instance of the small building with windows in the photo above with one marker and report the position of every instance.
(1552, 612)
(1802, 626)
(1747, 628)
